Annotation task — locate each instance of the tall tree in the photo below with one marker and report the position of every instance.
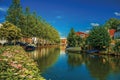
(10, 32)
(112, 23)
(99, 38)
(71, 39)
(14, 13)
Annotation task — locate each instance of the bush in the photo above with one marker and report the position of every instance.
(2, 50)
(16, 65)
(117, 47)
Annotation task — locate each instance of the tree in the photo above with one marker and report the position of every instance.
(99, 38)
(10, 32)
(30, 24)
(73, 39)
(112, 23)
(117, 47)
(14, 13)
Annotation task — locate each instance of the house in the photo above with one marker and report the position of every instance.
(27, 40)
(63, 41)
(111, 32)
(117, 33)
(82, 34)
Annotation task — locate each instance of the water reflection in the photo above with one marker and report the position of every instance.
(45, 57)
(84, 67)
(98, 68)
(74, 59)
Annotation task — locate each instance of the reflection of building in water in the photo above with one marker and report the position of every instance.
(62, 49)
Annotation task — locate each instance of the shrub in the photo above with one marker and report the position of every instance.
(16, 65)
(117, 47)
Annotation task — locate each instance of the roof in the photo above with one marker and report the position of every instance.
(79, 33)
(112, 32)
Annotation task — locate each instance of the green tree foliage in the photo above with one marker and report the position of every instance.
(37, 27)
(10, 32)
(73, 40)
(99, 38)
(14, 13)
(117, 47)
(30, 24)
(112, 23)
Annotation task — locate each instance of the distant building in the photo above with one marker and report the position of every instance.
(63, 41)
(82, 34)
(27, 40)
(112, 32)
(117, 33)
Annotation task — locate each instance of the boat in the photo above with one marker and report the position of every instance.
(73, 49)
(30, 47)
(92, 51)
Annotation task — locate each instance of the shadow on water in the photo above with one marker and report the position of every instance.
(55, 64)
(99, 67)
(103, 66)
(74, 59)
(45, 57)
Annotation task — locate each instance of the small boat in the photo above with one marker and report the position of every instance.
(30, 47)
(73, 49)
(92, 51)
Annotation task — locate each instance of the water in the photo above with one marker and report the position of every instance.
(55, 64)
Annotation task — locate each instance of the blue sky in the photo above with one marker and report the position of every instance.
(64, 14)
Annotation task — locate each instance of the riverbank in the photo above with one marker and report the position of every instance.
(15, 64)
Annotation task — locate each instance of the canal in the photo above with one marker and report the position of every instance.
(56, 64)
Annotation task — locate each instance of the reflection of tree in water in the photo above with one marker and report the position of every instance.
(98, 68)
(115, 63)
(75, 60)
(46, 57)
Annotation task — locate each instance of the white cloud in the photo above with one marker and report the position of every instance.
(94, 24)
(117, 13)
(3, 9)
(87, 31)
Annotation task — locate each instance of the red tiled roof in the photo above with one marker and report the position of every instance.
(112, 32)
(79, 33)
